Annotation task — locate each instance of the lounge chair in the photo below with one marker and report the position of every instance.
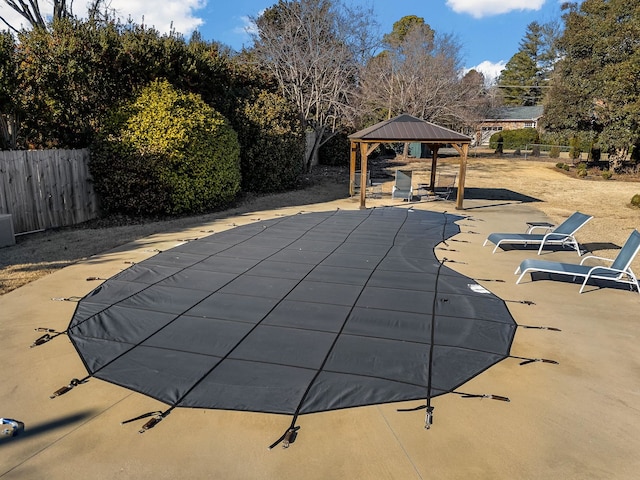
(619, 271)
(562, 235)
(373, 190)
(445, 184)
(403, 185)
(356, 181)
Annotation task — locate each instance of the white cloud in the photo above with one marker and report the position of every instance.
(487, 8)
(489, 69)
(161, 15)
(247, 27)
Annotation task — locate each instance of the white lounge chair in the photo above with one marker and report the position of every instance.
(402, 187)
(619, 271)
(563, 235)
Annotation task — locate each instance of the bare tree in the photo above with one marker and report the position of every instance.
(314, 49)
(420, 74)
(30, 11)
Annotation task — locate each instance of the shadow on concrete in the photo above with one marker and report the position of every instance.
(507, 247)
(496, 194)
(585, 248)
(595, 246)
(33, 430)
(592, 285)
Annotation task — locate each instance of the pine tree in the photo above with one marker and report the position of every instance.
(527, 73)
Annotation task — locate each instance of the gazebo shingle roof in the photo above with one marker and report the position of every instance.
(406, 128)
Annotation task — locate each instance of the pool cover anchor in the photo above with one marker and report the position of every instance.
(488, 396)
(541, 327)
(50, 335)
(156, 417)
(526, 361)
(429, 408)
(287, 438)
(428, 419)
(72, 384)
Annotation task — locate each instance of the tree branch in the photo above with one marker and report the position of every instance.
(30, 11)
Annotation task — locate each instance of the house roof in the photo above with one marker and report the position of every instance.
(516, 113)
(406, 128)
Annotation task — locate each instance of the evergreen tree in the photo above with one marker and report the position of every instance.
(518, 81)
(526, 75)
(401, 29)
(8, 90)
(596, 87)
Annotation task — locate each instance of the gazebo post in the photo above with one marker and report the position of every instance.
(434, 163)
(464, 152)
(352, 167)
(363, 175)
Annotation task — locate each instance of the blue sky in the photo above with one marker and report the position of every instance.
(488, 30)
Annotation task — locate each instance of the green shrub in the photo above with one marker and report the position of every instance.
(272, 152)
(635, 200)
(607, 175)
(499, 143)
(579, 143)
(566, 167)
(513, 139)
(560, 165)
(166, 152)
(575, 149)
(535, 150)
(554, 152)
(582, 170)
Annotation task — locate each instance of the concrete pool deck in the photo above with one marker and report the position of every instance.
(575, 420)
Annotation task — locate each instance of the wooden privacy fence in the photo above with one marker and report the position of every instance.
(46, 188)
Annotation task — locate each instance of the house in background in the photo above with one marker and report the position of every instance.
(507, 118)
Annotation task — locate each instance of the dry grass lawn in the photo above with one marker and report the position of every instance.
(554, 193)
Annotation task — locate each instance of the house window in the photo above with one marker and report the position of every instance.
(529, 124)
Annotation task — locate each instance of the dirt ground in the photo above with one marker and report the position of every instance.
(549, 189)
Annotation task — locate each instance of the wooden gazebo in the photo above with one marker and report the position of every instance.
(403, 129)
